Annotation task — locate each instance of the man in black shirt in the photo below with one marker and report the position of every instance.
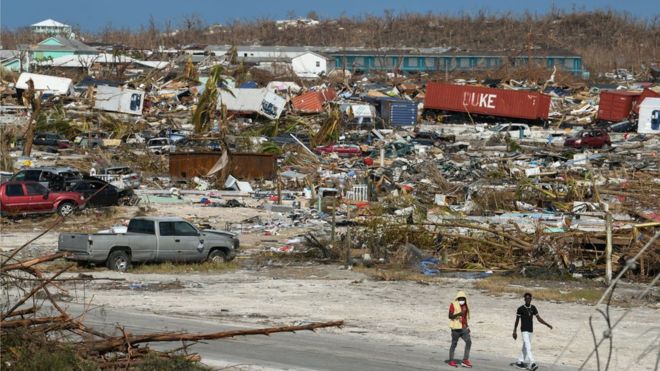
(525, 315)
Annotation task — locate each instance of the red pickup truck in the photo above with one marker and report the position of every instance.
(18, 198)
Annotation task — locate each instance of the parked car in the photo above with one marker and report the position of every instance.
(512, 129)
(191, 145)
(5, 176)
(122, 177)
(161, 146)
(342, 150)
(622, 127)
(431, 138)
(48, 139)
(33, 198)
(284, 139)
(174, 135)
(100, 193)
(91, 139)
(52, 177)
(594, 138)
(150, 240)
(135, 138)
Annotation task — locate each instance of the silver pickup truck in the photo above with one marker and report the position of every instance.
(150, 240)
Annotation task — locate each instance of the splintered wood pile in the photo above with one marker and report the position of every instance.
(37, 331)
(466, 244)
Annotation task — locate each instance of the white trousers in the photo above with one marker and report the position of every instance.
(526, 353)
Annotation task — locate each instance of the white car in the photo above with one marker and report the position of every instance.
(135, 138)
(512, 129)
(161, 146)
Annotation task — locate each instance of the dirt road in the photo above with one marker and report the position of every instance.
(406, 312)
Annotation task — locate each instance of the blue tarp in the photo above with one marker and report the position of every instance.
(428, 266)
(248, 85)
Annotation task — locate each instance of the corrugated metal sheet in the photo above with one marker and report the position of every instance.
(191, 164)
(487, 101)
(616, 105)
(312, 101)
(309, 102)
(243, 166)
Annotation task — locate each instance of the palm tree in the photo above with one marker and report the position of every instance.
(206, 110)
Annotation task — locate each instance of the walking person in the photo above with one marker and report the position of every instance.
(459, 313)
(525, 315)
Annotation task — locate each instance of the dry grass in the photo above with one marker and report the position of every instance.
(500, 285)
(169, 267)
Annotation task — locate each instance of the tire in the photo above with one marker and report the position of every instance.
(119, 261)
(66, 208)
(217, 256)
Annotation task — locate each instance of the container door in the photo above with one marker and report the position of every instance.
(655, 120)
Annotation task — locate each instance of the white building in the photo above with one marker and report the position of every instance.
(300, 22)
(309, 65)
(304, 62)
(51, 27)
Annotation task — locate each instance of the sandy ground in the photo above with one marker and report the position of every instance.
(409, 312)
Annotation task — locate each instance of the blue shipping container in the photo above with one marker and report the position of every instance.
(399, 112)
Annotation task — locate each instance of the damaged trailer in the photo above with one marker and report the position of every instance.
(649, 116)
(261, 101)
(487, 101)
(117, 99)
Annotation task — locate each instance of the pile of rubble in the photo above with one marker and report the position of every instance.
(490, 174)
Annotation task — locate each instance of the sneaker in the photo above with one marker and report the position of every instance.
(452, 363)
(521, 365)
(466, 363)
(533, 367)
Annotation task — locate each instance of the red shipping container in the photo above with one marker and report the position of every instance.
(487, 101)
(312, 101)
(616, 105)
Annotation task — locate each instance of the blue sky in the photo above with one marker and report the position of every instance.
(93, 15)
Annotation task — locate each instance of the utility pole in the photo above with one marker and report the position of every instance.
(279, 189)
(608, 248)
(348, 238)
(334, 213)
